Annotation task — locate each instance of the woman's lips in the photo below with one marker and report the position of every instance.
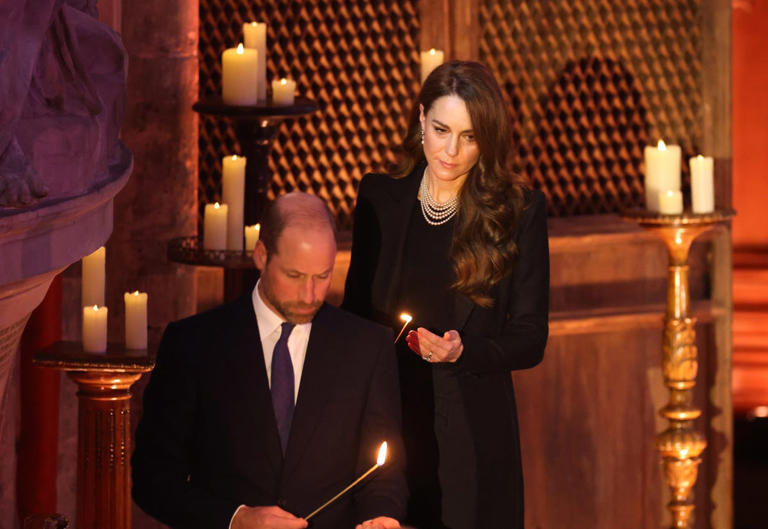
(447, 165)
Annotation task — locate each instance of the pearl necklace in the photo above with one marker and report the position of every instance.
(436, 213)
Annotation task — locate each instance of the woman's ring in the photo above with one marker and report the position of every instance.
(428, 357)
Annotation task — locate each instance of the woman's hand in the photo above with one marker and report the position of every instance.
(380, 522)
(433, 348)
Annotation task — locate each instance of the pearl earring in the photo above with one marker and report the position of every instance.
(422, 136)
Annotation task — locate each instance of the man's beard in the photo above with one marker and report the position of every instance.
(293, 311)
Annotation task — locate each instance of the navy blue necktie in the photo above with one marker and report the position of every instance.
(283, 385)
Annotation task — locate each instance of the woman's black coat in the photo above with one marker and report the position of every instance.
(509, 335)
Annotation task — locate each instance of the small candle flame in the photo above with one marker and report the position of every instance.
(96, 308)
(254, 24)
(283, 81)
(135, 292)
(216, 206)
(662, 145)
(234, 157)
(240, 48)
(700, 157)
(382, 454)
(406, 317)
(432, 51)
(257, 226)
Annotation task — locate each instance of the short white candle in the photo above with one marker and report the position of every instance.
(283, 91)
(215, 227)
(95, 329)
(662, 172)
(429, 61)
(670, 202)
(252, 236)
(233, 195)
(255, 37)
(702, 184)
(240, 76)
(92, 287)
(135, 320)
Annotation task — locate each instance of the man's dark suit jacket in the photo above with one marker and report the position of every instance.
(509, 335)
(208, 441)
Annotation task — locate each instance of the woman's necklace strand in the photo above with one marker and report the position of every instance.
(436, 213)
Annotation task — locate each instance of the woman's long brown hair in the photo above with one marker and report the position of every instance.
(491, 199)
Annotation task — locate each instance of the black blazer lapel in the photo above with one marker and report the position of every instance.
(317, 378)
(396, 217)
(250, 379)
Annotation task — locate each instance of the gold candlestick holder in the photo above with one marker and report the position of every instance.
(680, 445)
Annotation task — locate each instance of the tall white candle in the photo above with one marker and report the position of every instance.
(252, 236)
(92, 288)
(95, 329)
(215, 227)
(429, 61)
(233, 195)
(670, 202)
(702, 184)
(662, 172)
(135, 320)
(240, 76)
(283, 91)
(255, 37)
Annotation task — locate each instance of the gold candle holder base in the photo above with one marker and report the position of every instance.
(679, 445)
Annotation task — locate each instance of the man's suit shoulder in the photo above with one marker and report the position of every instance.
(357, 326)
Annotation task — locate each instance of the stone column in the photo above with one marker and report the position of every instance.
(160, 200)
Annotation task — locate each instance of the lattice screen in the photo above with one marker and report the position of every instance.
(358, 60)
(592, 82)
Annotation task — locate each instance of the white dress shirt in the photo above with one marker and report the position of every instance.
(270, 327)
(269, 331)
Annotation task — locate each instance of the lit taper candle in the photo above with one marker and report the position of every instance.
(379, 462)
(407, 318)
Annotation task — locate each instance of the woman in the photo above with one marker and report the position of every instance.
(453, 240)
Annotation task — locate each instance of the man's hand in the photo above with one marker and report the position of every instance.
(381, 522)
(271, 517)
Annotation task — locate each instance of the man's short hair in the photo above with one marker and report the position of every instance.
(277, 217)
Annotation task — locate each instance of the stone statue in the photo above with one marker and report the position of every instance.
(62, 90)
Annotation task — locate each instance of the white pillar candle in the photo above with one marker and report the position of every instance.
(215, 227)
(255, 37)
(135, 320)
(95, 329)
(702, 184)
(662, 172)
(670, 202)
(252, 236)
(283, 91)
(92, 288)
(233, 195)
(429, 61)
(239, 76)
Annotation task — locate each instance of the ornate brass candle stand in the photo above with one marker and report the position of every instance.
(104, 383)
(680, 445)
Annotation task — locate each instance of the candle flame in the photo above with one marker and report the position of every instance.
(135, 292)
(96, 308)
(700, 157)
(406, 317)
(254, 24)
(382, 454)
(234, 157)
(257, 226)
(216, 206)
(432, 51)
(240, 48)
(662, 145)
(283, 81)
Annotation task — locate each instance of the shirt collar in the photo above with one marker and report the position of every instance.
(267, 319)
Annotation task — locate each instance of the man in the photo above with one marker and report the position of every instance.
(264, 408)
